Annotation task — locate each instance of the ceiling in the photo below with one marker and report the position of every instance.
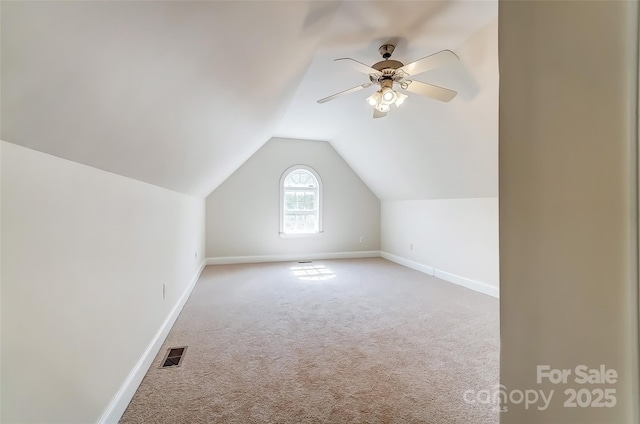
(179, 94)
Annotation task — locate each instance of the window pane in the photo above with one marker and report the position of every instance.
(305, 179)
(289, 223)
(289, 201)
(310, 222)
(300, 201)
(300, 223)
(300, 227)
(300, 178)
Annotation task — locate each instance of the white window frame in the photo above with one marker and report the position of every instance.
(319, 204)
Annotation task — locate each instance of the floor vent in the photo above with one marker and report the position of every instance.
(304, 262)
(174, 357)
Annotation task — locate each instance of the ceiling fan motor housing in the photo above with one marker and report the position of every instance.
(387, 64)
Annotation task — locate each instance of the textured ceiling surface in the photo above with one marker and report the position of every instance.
(179, 94)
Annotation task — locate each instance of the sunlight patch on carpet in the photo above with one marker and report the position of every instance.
(312, 272)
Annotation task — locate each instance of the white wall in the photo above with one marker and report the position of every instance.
(243, 212)
(568, 193)
(1, 282)
(85, 254)
(455, 237)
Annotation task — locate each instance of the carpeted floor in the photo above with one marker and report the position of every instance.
(344, 341)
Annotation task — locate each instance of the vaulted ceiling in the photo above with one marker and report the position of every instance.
(180, 94)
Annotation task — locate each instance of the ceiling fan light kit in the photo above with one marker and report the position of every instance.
(387, 72)
(385, 97)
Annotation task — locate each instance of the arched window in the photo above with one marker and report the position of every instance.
(300, 201)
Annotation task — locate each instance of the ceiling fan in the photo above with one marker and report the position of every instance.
(388, 72)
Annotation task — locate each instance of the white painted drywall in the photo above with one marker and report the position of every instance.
(1, 281)
(455, 236)
(568, 213)
(177, 94)
(242, 214)
(85, 254)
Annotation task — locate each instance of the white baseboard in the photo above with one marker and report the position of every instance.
(443, 275)
(408, 263)
(120, 401)
(227, 260)
(468, 283)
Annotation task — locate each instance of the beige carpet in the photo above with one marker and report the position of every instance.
(345, 341)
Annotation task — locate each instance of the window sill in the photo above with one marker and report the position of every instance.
(299, 235)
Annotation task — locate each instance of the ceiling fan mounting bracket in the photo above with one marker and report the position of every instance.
(386, 50)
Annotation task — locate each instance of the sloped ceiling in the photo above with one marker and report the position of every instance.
(180, 94)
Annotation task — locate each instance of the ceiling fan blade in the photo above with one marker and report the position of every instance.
(436, 60)
(359, 66)
(342, 93)
(378, 114)
(430, 90)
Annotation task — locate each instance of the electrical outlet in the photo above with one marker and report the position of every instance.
(196, 255)
(361, 239)
(410, 246)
